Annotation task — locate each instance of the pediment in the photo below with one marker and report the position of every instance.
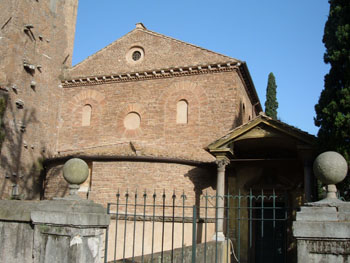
(260, 131)
(156, 51)
(262, 134)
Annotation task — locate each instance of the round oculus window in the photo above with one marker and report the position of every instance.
(136, 55)
(132, 121)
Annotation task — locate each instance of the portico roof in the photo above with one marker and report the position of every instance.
(263, 137)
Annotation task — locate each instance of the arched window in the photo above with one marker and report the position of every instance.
(182, 111)
(86, 115)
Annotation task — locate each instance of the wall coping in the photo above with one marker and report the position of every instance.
(323, 221)
(78, 213)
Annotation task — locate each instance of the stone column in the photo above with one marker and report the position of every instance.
(308, 180)
(306, 155)
(220, 191)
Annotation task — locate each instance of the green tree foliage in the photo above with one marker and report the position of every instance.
(271, 103)
(333, 108)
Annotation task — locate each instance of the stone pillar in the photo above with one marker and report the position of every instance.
(64, 230)
(69, 231)
(322, 229)
(220, 191)
(323, 233)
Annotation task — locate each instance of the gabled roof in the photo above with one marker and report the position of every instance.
(261, 127)
(160, 52)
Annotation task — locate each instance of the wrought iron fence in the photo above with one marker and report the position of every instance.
(153, 228)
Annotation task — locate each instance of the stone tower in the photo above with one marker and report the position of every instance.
(36, 45)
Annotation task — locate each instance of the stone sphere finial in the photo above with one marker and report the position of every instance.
(330, 168)
(75, 172)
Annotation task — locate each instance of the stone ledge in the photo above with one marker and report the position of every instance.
(317, 214)
(321, 230)
(15, 210)
(70, 219)
(59, 212)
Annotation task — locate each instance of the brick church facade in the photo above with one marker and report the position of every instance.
(149, 105)
(146, 112)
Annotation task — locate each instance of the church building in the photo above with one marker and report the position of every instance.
(148, 113)
(142, 112)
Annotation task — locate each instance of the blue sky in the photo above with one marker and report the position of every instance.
(283, 37)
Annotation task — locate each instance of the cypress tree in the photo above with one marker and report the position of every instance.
(271, 103)
(333, 108)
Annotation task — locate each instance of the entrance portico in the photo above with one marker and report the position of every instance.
(263, 155)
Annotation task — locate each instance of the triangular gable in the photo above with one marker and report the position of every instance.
(261, 127)
(159, 52)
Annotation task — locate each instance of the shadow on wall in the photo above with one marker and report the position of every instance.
(239, 120)
(203, 179)
(53, 181)
(21, 178)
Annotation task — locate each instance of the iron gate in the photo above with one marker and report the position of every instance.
(158, 228)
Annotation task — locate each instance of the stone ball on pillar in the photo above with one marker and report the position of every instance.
(75, 171)
(330, 167)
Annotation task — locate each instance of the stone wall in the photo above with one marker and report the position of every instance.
(16, 241)
(52, 231)
(185, 256)
(36, 45)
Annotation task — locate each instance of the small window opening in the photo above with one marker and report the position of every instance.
(86, 115)
(182, 112)
(136, 55)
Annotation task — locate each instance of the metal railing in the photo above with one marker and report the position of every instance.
(153, 228)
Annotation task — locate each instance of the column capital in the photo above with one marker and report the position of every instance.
(222, 162)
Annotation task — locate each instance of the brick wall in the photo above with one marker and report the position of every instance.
(213, 109)
(42, 34)
(159, 52)
(128, 176)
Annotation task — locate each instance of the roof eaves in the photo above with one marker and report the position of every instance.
(154, 73)
(251, 88)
